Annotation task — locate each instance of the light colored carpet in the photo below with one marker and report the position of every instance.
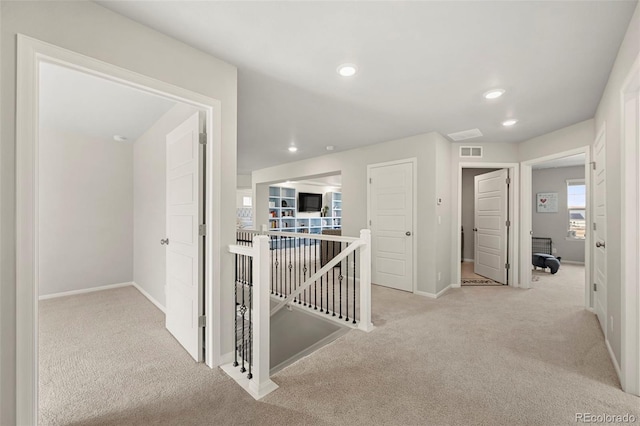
(476, 356)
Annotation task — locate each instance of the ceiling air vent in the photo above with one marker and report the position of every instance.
(465, 134)
(471, 151)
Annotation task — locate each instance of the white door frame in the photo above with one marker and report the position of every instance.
(31, 52)
(526, 217)
(513, 214)
(630, 225)
(414, 242)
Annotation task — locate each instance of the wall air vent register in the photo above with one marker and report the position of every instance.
(471, 151)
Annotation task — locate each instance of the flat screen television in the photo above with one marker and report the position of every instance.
(308, 202)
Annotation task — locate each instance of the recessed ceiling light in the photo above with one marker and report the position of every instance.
(330, 147)
(293, 148)
(510, 122)
(120, 138)
(493, 94)
(347, 70)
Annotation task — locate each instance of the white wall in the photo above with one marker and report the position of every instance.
(149, 202)
(92, 30)
(352, 165)
(577, 136)
(86, 205)
(609, 113)
(468, 209)
(556, 225)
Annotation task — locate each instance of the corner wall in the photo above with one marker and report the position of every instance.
(85, 211)
(92, 30)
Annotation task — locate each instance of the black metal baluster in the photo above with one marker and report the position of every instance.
(354, 287)
(340, 283)
(346, 295)
(250, 349)
(315, 269)
(243, 310)
(291, 250)
(304, 271)
(235, 311)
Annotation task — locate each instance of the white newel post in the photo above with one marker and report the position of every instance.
(365, 281)
(261, 384)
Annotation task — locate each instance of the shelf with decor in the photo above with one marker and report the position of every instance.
(284, 214)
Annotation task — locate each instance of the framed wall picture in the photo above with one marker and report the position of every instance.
(547, 202)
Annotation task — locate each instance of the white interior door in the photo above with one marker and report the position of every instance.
(184, 288)
(600, 232)
(491, 215)
(391, 212)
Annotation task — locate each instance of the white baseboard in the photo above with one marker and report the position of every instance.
(571, 262)
(613, 359)
(84, 290)
(469, 260)
(452, 285)
(432, 295)
(148, 296)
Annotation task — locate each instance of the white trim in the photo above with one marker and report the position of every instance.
(469, 260)
(31, 53)
(241, 379)
(148, 296)
(84, 290)
(572, 262)
(514, 215)
(526, 208)
(432, 295)
(630, 244)
(414, 162)
(614, 361)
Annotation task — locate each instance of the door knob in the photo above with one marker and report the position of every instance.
(600, 244)
(164, 241)
(475, 229)
(408, 233)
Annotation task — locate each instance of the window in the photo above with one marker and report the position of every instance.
(576, 207)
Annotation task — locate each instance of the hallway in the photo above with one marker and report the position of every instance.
(477, 355)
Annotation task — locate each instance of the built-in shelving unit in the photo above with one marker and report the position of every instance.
(284, 215)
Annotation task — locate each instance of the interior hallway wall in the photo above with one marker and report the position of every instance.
(149, 202)
(609, 115)
(352, 165)
(86, 205)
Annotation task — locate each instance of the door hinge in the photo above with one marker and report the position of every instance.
(508, 223)
(370, 180)
(369, 223)
(508, 181)
(202, 230)
(595, 287)
(593, 165)
(202, 321)
(594, 226)
(507, 266)
(203, 138)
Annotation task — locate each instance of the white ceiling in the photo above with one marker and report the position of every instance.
(423, 66)
(574, 160)
(94, 107)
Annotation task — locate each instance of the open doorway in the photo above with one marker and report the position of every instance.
(33, 55)
(559, 220)
(494, 217)
(119, 172)
(556, 215)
